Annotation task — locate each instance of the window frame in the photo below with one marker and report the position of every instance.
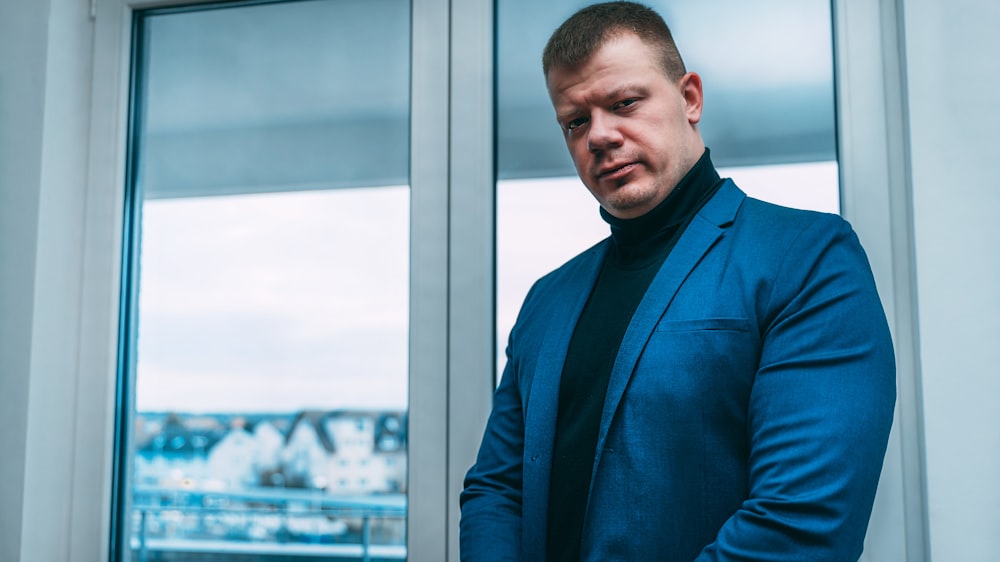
(876, 197)
(112, 219)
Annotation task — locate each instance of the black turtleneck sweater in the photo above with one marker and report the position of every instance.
(637, 250)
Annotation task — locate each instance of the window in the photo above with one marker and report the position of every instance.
(268, 282)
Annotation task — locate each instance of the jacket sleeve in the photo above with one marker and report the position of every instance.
(490, 524)
(820, 408)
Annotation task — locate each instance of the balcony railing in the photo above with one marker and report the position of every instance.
(286, 524)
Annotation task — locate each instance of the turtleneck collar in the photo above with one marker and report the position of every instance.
(644, 237)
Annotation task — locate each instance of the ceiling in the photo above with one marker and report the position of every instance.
(315, 94)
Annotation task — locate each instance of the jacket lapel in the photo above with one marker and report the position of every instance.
(543, 399)
(701, 234)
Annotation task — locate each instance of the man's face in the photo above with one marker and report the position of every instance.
(630, 130)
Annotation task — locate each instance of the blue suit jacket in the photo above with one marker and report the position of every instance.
(748, 408)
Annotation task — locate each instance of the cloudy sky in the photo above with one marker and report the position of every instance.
(284, 301)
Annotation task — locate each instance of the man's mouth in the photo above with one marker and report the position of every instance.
(616, 172)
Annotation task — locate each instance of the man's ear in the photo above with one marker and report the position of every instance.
(694, 99)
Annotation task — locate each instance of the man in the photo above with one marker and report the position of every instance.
(715, 381)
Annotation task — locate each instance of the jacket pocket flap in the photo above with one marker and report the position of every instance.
(698, 324)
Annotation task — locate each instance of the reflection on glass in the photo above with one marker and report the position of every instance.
(271, 331)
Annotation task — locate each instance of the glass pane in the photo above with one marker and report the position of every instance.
(270, 328)
(767, 69)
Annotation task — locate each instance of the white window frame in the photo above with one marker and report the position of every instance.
(876, 197)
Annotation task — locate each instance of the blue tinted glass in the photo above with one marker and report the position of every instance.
(271, 305)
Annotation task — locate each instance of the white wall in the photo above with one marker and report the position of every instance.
(954, 90)
(45, 79)
(21, 78)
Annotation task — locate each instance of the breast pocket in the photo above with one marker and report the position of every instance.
(686, 360)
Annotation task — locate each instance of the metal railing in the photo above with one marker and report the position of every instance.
(265, 522)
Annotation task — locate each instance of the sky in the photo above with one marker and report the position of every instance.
(274, 302)
(285, 301)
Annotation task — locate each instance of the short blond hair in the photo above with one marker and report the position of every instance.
(589, 29)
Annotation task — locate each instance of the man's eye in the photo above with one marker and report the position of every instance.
(575, 123)
(625, 103)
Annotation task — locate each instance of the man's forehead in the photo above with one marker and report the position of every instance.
(617, 66)
(638, 47)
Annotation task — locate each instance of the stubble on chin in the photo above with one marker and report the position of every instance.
(624, 202)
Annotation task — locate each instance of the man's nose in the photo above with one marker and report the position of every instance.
(603, 132)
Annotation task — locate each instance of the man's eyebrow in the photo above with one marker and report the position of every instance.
(614, 94)
(624, 91)
(566, 113)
